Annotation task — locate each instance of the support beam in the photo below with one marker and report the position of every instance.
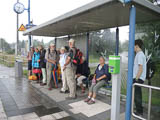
(55, 40)
(69, 37)
(117, 41)
(130, 61)
(87, 48)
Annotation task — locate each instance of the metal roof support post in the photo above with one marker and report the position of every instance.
(130, 61)
(87, 48)
(117, 41)
(69, 37)
(55, 41)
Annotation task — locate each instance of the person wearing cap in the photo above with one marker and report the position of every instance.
(52, 58)
(29, 57)
(63, 56)
(70, 70)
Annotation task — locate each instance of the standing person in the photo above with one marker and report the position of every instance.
(42, 62)
(35, 64)
(70, 70)
(52, 58)
(29, 57)
(63, 56)
(139, 74)
(100, 78)
(82, 74)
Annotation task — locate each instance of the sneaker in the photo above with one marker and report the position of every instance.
(87, 99)
(50, 89)
(139, 113)
(91, 102)
(62, 91)
(67, 91)
(71, 98)
(83, 91)
(43, 84)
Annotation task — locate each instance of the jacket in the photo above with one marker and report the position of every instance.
(35, 58)
(42, 58)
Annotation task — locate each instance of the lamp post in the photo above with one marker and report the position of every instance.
(29, 21)
(19, 9)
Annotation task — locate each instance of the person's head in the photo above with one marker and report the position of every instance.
(138, 45)
(71, 43)
(62, 50)
(102, 60)
(40, 47)
(32, 48)
(52, 46)
(36, 49)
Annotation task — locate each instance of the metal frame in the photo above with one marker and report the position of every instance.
(130, 61)
(149, 102)
(87, 48)
(117, 41)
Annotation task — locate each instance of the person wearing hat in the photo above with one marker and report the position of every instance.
(63, 56)
(52, 58)
(29, 57)
(70, 70)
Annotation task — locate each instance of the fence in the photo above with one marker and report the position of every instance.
(9, 60)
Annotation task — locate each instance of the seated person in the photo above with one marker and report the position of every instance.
(82, 74)
(98, 81)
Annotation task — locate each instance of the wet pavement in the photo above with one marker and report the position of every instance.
(20, 101)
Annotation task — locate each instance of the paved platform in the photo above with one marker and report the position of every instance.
(78, 108)
(24, 100)
(20, 101)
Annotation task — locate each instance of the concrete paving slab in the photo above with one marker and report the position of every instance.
(47, 117)
(90, 110)
(29, 116)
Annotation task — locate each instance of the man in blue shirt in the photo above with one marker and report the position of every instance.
(139, 75)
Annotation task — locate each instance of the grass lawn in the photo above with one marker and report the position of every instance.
(93, 59)
(25, 73)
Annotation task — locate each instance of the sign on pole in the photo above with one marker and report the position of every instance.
(22, 28)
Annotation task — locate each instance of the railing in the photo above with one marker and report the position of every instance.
(9, 60)
(149, 98)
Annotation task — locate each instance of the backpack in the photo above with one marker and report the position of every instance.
(150, 69)
(77, 60)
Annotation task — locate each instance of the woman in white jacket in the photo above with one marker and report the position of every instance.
(62, 61)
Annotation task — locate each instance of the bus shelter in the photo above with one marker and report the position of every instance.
(102, 14)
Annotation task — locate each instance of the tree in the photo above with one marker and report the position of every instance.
(4, 45)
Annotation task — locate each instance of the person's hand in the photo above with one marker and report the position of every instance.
(64, 68)
(39, 60)
(78, 75)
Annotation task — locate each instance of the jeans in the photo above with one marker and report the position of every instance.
(138, 96)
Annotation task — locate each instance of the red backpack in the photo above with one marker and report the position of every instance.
(77, 60)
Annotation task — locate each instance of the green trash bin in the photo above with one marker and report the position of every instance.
(114, 64)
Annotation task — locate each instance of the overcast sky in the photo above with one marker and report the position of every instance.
(41, 11)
